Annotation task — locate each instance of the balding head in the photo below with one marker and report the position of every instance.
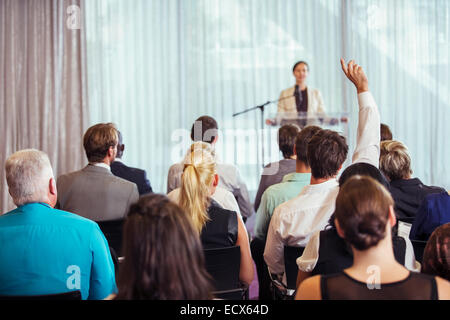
(30, 177)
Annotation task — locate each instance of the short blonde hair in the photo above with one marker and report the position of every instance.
(198, 175)
(28, 173)
(395, 161)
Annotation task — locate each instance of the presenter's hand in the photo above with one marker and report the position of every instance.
(270, 122)
(356, 75)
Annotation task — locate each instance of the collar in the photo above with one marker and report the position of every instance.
(118, 160)
(101, 164)
(297, 177)
(406, 182)
(322, 187)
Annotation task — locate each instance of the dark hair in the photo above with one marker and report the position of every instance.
(299, 62)
(327, 151)
(120, 145)
(163, 255)
(98, 139)
(385, 132)
(362, 169)
(436, 259)
(286, 139)
(362, 211)
(302, 140)
(208, 128)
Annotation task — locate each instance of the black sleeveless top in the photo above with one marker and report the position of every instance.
(336, 255)
(221, 230)
(417, 286)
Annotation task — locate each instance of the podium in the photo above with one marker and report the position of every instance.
(338, 122)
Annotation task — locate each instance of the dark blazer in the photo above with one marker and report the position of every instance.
(408, 195)
(135, 175)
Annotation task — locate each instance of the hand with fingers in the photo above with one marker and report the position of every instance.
(356, 75)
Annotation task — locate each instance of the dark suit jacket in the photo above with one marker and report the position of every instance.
(138, 176)
(408, 195)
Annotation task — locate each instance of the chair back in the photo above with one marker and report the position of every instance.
(419, 247)
(290, 265)
(71, 295)
(223, 264)
(113, 230)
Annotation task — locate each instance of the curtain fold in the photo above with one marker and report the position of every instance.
(43, 98)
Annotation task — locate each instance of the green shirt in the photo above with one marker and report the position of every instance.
(275, 195)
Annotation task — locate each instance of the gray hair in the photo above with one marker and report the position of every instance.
(28, 173)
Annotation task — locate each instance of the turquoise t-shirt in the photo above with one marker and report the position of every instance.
(275, 195)
(48, 251)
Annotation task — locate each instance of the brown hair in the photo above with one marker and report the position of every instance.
(302, 140)
(207, 127)
(362, 211)
(286, 139)
(395, 162)
(436, 256)
(327, 151)
(98, 139)
(385, 132)
(163, 254)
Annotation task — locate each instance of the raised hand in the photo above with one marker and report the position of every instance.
(356, 75)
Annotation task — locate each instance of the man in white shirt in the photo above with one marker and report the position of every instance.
(205, 129)
(294, 222)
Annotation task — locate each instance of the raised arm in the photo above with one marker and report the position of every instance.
(368, 133)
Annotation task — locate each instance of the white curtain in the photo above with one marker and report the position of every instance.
(156, 66)
(43, 101)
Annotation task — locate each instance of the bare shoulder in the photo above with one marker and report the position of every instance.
(309, 289)
(443, 287)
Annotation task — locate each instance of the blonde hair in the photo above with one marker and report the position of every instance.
(198, 175)
(28, 173)
(394, 160)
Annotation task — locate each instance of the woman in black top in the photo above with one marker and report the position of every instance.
(217, 227)
(364, 217)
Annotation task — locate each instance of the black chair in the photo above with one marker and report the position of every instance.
(113, 229)
(419, 247)
(71, 295)
(281, 291)
(223, 264)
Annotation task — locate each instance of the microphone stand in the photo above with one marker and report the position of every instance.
(261, 107)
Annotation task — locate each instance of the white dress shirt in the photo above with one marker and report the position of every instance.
(294, 222)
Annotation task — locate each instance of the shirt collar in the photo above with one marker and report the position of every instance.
(118, 160)
(321, 187)
(101, 164)
(297, 177)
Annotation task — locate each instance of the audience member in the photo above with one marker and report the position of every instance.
(385, 132)
(364, 218)
(408, 193)
(436, 256)
(275, 195)
(206, 129)
(94, 192)
(274, 172)
(327, 253)
(433, 212)
(218, 227)
(163, 254)
(294, 221)
(45, 250)
(135, 175)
